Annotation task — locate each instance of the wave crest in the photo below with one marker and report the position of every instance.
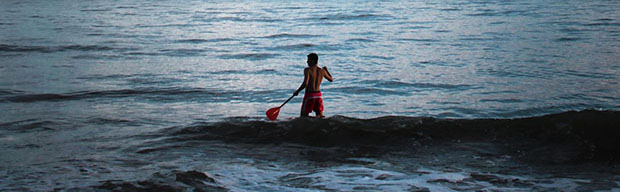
(583, 133)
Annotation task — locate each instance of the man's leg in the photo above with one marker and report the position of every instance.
(319, 114)
(304, 104)
(318, 108)
(303, 114)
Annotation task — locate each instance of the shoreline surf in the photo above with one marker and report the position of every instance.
(574, 135)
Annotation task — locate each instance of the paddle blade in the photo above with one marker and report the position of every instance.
(272, 113)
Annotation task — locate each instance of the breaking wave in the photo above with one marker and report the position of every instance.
(568, 136)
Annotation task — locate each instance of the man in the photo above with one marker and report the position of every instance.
(313, 75)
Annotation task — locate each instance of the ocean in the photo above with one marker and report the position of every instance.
(450, 95)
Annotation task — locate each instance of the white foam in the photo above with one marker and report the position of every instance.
(247, 177)
(244, 175)
(616, 189)
(7, 138)
(351, 178)
(565, 184)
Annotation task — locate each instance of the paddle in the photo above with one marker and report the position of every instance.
(272, 113)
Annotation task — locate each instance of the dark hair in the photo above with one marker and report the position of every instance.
(313, 58)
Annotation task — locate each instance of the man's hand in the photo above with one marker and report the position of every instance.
(329, 76)
(296, 93)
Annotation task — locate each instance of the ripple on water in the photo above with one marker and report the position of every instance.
(197, 41)
(249, 56)
(290, 36)
(417, 85)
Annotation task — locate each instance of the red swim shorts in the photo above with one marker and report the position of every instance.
(312, 102)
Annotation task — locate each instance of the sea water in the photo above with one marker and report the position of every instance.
(102, 94)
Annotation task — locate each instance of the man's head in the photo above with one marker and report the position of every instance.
(313, 59)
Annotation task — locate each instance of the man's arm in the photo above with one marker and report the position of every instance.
(327, 75)
(303, 84)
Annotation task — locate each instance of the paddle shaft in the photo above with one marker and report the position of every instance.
(287, 100)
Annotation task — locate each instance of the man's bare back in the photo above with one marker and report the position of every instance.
(313, 76)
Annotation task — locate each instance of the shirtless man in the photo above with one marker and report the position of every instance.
(313, 75)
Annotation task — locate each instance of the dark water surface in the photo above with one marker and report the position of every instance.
(170, 95)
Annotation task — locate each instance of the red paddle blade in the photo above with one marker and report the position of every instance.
(272, 113)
